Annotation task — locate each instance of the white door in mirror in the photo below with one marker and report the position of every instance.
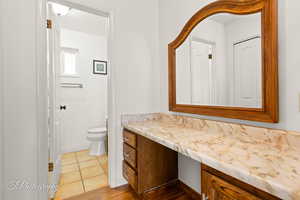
(247, 73)
(201, 71)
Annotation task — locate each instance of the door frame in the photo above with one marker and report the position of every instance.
(112, 145)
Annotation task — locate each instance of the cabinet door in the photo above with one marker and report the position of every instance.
(217, 189)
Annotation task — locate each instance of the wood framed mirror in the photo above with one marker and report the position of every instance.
(224, 62)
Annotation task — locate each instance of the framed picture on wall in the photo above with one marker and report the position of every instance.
(100, 67)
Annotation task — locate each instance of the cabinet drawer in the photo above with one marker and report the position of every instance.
(129, 154)
(130, 175)
(129, 138)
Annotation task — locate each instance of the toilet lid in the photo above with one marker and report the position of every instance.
(97, 130)
(96, 137)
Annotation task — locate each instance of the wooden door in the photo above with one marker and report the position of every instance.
(217, 189)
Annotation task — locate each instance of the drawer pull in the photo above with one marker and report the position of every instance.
(126, 155)
(126, 139)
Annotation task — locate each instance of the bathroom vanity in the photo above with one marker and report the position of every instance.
(237, 161)
(223, 63)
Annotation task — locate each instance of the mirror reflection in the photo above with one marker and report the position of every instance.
(220, 63)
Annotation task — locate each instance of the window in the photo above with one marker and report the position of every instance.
(69, 62)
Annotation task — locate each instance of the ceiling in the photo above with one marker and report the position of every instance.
(84, 22)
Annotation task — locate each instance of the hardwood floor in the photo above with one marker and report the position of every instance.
(126, 193)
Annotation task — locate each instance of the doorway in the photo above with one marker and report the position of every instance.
(202, 72)
(78, 75)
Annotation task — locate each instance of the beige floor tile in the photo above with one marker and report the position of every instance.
(83, 158)
(68, 155)
(68, 161)
(90, 163)
(80, 165)
(105, 168)
(70, 190)
(70, 178)
(103, 160)
(95, 183)
(91, 172)
(69, 168)
(104, 156)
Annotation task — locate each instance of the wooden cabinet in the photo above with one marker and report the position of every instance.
(220, 189)
(219, 186)
(147, 165)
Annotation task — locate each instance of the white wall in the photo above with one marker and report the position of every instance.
(173, 15)
(24, 123)
(183, 74)
(1, 111)
(86, 107)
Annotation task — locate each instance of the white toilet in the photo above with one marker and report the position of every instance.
(97, 138)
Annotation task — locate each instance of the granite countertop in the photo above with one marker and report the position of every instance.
(265, 158)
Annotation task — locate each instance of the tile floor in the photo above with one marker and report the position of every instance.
(81, 173)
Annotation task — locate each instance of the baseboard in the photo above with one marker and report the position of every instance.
(75, 149)
(118, 183)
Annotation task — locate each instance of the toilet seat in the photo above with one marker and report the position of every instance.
(98, 130)
(96, 137)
